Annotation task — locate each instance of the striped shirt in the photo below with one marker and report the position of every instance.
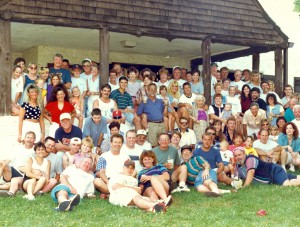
(154, 170)
(122, 100)
(194, 166)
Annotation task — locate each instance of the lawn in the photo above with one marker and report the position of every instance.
(188, 209)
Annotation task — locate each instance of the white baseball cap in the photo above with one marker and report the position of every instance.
(64, 116)
(141, 132)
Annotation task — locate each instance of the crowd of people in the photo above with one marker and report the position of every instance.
(146, 135)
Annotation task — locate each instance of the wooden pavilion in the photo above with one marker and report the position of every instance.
(226, 22)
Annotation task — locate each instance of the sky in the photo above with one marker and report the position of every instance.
(281, 11)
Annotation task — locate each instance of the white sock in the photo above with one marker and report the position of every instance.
(181, 183)
(224, 191)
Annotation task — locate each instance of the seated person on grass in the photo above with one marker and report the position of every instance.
(76, 182)
(124, 191)
(114, 128)
(69, 156)
(251, 168)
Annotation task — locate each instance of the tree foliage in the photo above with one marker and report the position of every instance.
(297, 5)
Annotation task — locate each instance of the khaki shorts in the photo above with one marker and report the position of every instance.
(154, 130)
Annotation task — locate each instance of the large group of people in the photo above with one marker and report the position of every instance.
(146, 135)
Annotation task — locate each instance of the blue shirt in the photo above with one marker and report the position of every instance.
(153, 109)
(94, 130)
(213, 156)
(284, 141)
(64, 74)
(197, 88)
(64, 137)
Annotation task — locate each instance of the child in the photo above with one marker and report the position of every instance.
(226, 114)
(133, 85)
(199, 117)
(274, 133)
(41, 84)
(44, 74)
(77, 101)
(248, 146)
(68, 157)
(227, 158)
(86, 150)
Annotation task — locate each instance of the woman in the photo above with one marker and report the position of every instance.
(216, 109)
(271, 85)
(245, 98)
(17, 88)
(218, 90)
(153, 179)
(93, 88)
(290, 141)
(225, 87)
(175, 140)
(174, 92)
(22, 63)
(219, 134)
(280, 122)
(30, 116)
(264, 124)
(142, 94)
(54, 81)
(255, 80)
(197, 83)
(289, 114)
(59, 103)
(274, 109)
(37, 172)
(237, 141)
(32, 74)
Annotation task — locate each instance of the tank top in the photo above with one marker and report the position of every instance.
(42, 168)
(106, 108)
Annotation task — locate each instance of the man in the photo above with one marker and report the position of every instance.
(254, 169)
(186, 103)
(255, 93)
(64, 73)
(65, 133)
(76, 182)
(65, 64)
(213, 72)
(56, 164)
(211, 130)
(237, 81)
(188, 136)
(224, 71)
(296, 121)
(78, 81)
(266, 90)
(246, 76)
(95, 126)
(168, 156)
(288, 91)
(114, 128)
(252, 119)
(113, 82)
(141, 140)
(177, 76)
(68, 157)
(124, 191)
(117, 67)
(151, 114)
(123, 100)
(230, 129)
(87, 69)
(130, 149)
(269, 150)
(109, 164)
(213, 157)
(14, 171)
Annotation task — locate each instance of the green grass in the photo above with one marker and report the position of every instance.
(188, 209)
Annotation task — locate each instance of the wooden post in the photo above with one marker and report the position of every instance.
(205, 49)
(278, 72)
(286, 66)
(5, 66)
(255, 61)
(104, 55)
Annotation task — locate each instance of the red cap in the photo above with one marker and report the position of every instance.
(117, 113)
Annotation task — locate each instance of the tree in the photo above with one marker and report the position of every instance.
(297, 5)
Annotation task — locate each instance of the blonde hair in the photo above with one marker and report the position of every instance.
(225, 143)
(43, 69)
(200, 97)
(88, 141)
(177, 94)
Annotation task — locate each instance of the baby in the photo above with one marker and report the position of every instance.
(274, 133)
(227, 158)
(227, 113)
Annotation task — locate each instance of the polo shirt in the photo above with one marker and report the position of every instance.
(122, 100)
(153, 109)
(94, 130)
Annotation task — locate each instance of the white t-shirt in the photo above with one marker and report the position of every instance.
(85, 76)
(134, 154)
(21, 157)
(265, 147)
(188, 138)
(226, 155)
(145, 147)
(114, 87)
(80, 83)
(106, 108)
(16, 86)
(236, 104)
(80, 180)
(184, 99)
(239, 84)
(114, 163)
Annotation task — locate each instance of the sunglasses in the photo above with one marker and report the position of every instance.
(33, 68)
(118, 117)
(183, 123)
(211, 133)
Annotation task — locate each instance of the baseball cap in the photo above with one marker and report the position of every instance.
(176, 67)
(76, 66)
(214, 64)
(86, 60)
(239, 149)
(75, 140)
(187, 147)
(117, 113)
(129, 162)
(65, 116)
(141, 132)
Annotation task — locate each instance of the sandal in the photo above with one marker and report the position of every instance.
(158, 208)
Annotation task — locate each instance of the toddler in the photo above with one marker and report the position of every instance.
(226, 114)
(274, 133)
(227, 158)
(248, 146)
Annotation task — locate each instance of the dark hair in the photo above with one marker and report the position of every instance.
(132, 69)
(49, 138)
(105, 86)
(56, 89)
(272, 96)
(255, 89)
(196, 71)
(149, 154)
(150, 77)
(243, 96)
(18, 60)
(38, 145)
(123, 78)
(237, 134)
(112, 71)
(96, 111)
(186, 84)
(116, 136)
(66, 60)
(15, 67)
(280, 118)
(114, 124)
(210, 127)
(295, 133)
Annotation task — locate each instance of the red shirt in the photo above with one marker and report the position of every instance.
(55, 112)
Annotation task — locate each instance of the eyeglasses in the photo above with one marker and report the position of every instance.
(33, 68)
(166, 139)
(86, 66)
(117, 117)
(211, 133)
(183, 123)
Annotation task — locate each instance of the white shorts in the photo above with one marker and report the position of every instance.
(122, 196)
(32, 126)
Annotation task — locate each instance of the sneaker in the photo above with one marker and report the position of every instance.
(30, 197)
(158, 208)
(168, 201)
(64, 206)
(75, 200)
(292, 168)
(183, 188)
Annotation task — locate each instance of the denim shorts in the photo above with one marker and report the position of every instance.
(279, 176)
(212, 176)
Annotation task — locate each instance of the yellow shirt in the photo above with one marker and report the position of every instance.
(251, 151)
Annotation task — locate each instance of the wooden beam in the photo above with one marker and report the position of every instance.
(205, 50)
(5, 66)
(255, 61)
(278, 71)
(285, 66)
(104, 55)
